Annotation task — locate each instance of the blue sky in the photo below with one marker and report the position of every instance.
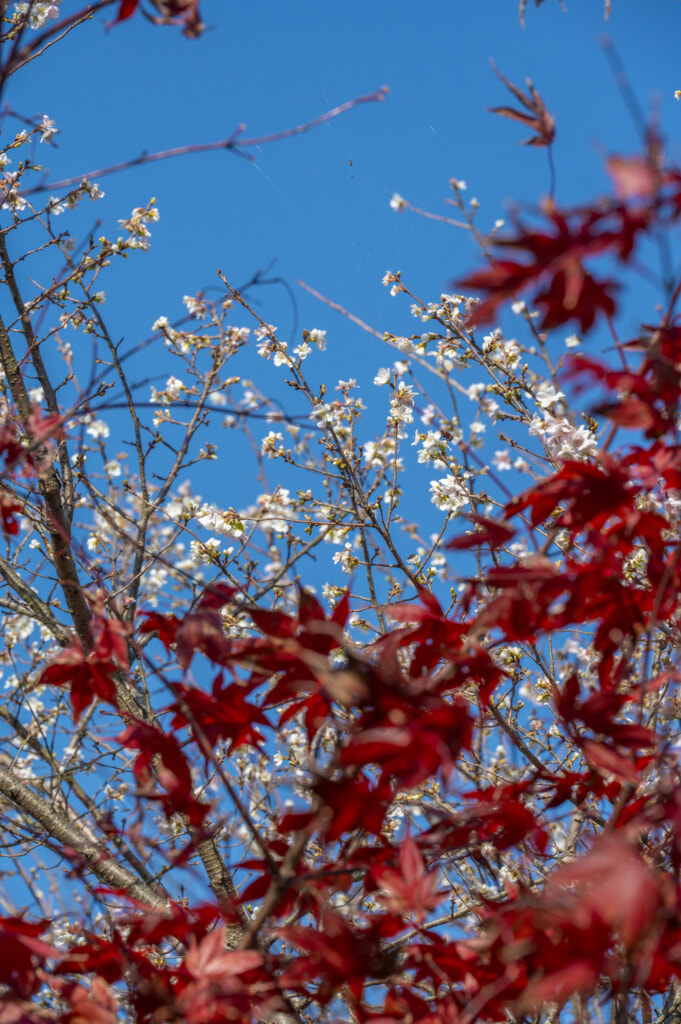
(318, 204)
(272, 65)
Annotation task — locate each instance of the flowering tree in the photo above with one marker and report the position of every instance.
(444, 790)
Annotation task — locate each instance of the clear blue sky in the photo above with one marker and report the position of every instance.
(275, 65)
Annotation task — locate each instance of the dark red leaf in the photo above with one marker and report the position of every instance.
(410, 890)
(91, 674)
(607, 761)
(633, 176)
(491, 532)
(186, 12)
(8, 509)
(201, 631)
(163, 626)
(537, 118)
(22, 951)
(126, 9)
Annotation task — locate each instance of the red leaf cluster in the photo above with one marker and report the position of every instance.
(22, 954)
(337, 955)
(647, 398)
(552, 264)
(295, 650)
(556, 259)
(410, 889)
(161, 758)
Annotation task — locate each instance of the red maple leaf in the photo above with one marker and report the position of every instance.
(161, 757)
(351, 803)
(591, 493)
(537, 118)
(91, 673)
(223, 714)
(126, 9)
(163, 626)
(555, 259)
(22, 951)
(491, 532)
(611, 883)
(411, 889)
(210, 961)
(338, 954)
(8, 509)
(94, 1004)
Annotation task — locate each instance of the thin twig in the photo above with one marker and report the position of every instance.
(231, 143)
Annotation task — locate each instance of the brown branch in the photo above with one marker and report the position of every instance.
(278, 886)
(341, 309)
(58, 827)
(222, 884)
(232, 143)
(36, 358)
(48, 481)
(371, 97)
(33, 604)
(46, 755)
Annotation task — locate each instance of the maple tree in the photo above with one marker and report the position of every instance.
(447, 789)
